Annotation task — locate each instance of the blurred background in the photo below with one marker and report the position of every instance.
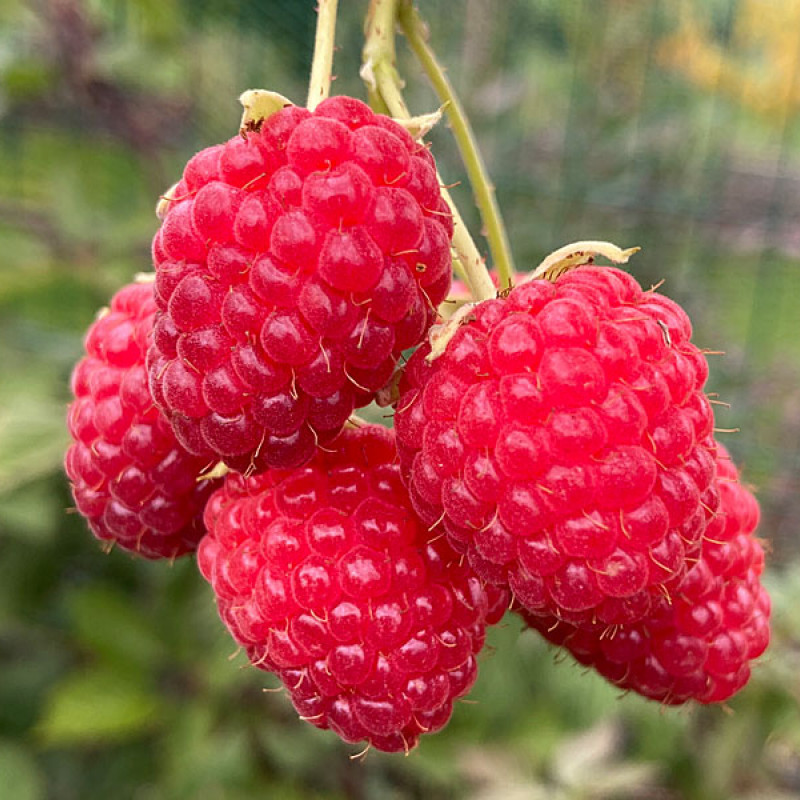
(673, 125)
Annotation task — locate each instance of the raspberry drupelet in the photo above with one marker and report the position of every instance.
(697, 645)
(562, 442)
(131, 479)
(293, 268)
(326, 577)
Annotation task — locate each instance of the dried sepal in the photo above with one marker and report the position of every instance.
(576, 253)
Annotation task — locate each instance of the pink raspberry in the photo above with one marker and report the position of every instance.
(324, 574)
(698, 643)
(562, 441)
(131, 479)
(293, 268)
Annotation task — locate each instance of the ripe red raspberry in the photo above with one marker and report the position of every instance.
(326, 577)
(131, 478)
(698, 643)
(562, 442)
(293, 268)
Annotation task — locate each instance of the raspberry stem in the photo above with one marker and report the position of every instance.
(469, 258)
(417, 34)
(319, 84)
(384, 88)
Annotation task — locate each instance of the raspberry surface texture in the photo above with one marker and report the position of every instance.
(326, 577)
(697, 644)
(293, 268)
(562, 441)
(131, 479)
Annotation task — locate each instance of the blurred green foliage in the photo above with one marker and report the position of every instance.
(116, 677)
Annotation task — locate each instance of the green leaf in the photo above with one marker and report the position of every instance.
(31, 512)
(22, 778)
(97, 707)
(26, 79)
(202, 758)
(107, 623)
(33, 435)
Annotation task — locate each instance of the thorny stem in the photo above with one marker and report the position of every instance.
(385, 85)
(417, 34)
(319, 84)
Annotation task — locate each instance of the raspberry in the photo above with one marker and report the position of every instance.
(131, 479)
(561, 440)
(325, 576)
(698, 644)
(293, 268)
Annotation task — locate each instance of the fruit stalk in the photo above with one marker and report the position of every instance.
(384, 85)
(319, 84)
(416, 32)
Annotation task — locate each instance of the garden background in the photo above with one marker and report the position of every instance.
(672, 125)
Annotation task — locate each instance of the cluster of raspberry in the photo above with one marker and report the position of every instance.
(553, 451)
